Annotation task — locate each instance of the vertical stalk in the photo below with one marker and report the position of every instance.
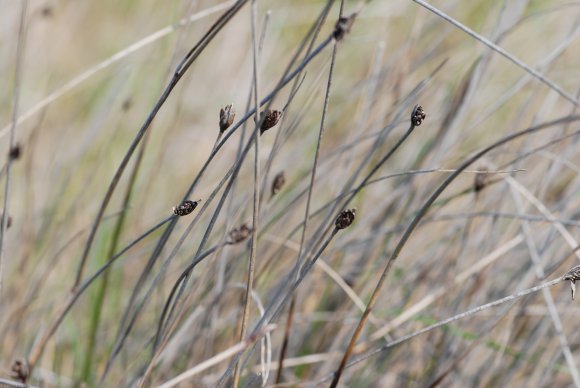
(256, 208)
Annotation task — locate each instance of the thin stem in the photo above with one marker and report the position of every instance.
(37, 350)
(20, 47)
(88, 367)
(500, 51)
(307, 209)
(256, 208)
(179, 73)
(415, 222)
(279, 300)
(236, 349)
(90, 72)
(266, 101)
(465, 314)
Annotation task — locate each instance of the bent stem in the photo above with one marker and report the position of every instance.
(421, 213)
(465, 314)
(37, 350)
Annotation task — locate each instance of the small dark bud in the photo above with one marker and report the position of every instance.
(572, 275)
(345, 218)
(46, 11)
(185, 208)
(342, 27)
(15, 152)
(271, 119)
(418, 115)
(227, 115)
(20, 371)
(237, 235)
(278, 183)
(8, 220)
(480, 179)
(127, 104)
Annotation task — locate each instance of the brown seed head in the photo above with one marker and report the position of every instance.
(271, 119)
(418, 115)
(46, 11)
(20, 371)
(342, 26)
(127, 104)
(573, 274)
(237, 235)
(185, 208)
(480, 180)
(15, 152)
(8, 220)
(278, 183)
(345, 218)
(227, 115)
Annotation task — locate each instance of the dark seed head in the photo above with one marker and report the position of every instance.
(185, 208)
(227, 115)
(271, 119)
(418, 115)
(345, 218)
(237, 235)
(278, 183)
(127, 104)
(342, 26)
(15, 152)
(8, 220)
(20, 371)
(573, 274)
(46, 11)
(480, 179)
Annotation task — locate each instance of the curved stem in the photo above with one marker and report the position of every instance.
(421, 213)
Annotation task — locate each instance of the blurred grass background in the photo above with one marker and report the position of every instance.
(72, 146)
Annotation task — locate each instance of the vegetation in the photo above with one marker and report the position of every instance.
(289, 193)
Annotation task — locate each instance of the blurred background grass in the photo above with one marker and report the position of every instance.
(72, 146)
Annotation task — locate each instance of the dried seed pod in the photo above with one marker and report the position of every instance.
(418, 115)
(345, 218)
(342, 26)
(20, 371)
(127, 104)
(185, 208)
(46, 11)
(227, 115)
(8, 220)
(480, 179)
(15, 152)
(573, 275)
(237, 235)
(271, 119)
(278, 183)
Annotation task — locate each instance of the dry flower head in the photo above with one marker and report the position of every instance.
(345, 218)
(15, 152)
(271, 119)
(278, 183)
(418, 115)
(573, 275)
(240, 234)
(20, 371)
(480, 179)
(185, 208)
(342, 26)
(227, 115)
